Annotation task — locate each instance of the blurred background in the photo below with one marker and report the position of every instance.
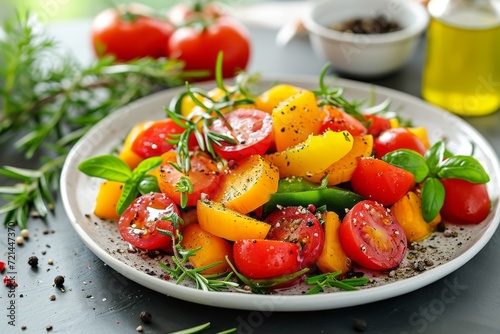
(57, 10)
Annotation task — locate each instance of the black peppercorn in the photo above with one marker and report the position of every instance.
(33, 261)
(146, 317)
(59, 281)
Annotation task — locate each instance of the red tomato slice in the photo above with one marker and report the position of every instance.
(380, 181)
(204, 176)
(338, 120)
(376, 124)
(465, 202)
(299, 226)
(372, 237)
(251, 128)
(266, 258)
(152, 142)
(139, 221)
(397, 138)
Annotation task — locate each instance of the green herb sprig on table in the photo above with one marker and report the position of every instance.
(436, 164)
(48, 101)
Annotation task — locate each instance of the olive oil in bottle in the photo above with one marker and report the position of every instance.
(462, 69)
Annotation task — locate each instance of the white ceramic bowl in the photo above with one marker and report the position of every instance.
(365, 55)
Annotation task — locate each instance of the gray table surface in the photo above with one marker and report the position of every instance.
(99, 300)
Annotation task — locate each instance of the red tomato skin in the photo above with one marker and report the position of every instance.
(465, 202)
(199, 49)
(144, 36)
(366, 228)
(182, 13)
(265, 258)
(380, 181)
(204, 176)
(253, 130)
(397, 138)
(298, 225)
(376, 124)
(338, 120)
(138, 223)
(152, 142)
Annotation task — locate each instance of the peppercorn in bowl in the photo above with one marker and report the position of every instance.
(366, 38)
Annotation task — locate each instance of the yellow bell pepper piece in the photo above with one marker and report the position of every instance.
(212, 249)
(408, 212)
(314, 155)
(215, 218)
(394, 122)
(272, 97)
(342, 170)
(126, 154)
(107, 199)
(421, 133)
(333, 258)
(249, 185)
(294, 119)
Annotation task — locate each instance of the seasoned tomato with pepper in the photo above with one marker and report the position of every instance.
(139, 222)
(251, 129)
(298, 225)
(204, 176)
(372, 237)
(338, 120)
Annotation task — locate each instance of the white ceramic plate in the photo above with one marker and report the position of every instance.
(79, 193)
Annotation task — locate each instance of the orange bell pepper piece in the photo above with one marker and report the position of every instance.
(333, 258)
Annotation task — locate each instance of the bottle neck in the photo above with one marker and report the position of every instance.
(471, 14)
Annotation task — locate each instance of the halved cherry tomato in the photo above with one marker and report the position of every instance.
(372, 237)
(380, 181)
(139, 222)
(261, 258)
(251, 128)
(204, 175)
(153, 142)
(299, 226)
(465, 202)
(376, 124)
(338, 120)
(397, 138)
(129, 32)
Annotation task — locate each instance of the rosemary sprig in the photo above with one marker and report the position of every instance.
(329, 280)
(182, 269)
(48, 101)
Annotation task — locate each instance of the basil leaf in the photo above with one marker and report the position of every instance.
(107, 167)
(434, 155)
(148, 184)
(410, 161)
(129, 194)
(432, 198)
(462, 167)
(147, 164)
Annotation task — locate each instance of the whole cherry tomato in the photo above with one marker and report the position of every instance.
(372, 237)
(266, 258)
(252, 128)
(298, 225)
(465, 202)
(380, 181)
(139, 222)
(397, 138)
(199, 46)
(130, 32)
(183, 13)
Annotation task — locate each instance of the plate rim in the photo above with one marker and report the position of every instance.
(285, 303)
